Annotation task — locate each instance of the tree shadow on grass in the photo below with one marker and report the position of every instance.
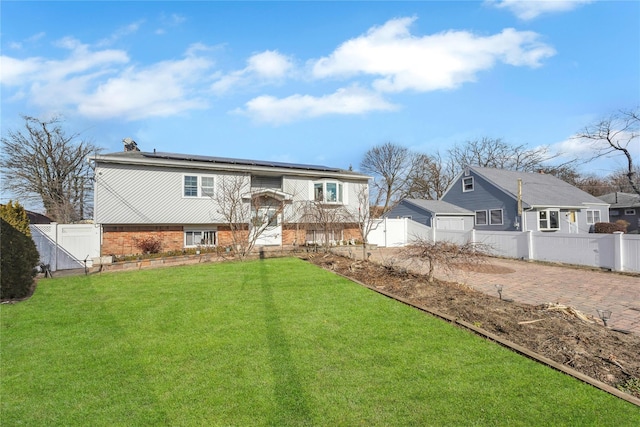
(290, 397)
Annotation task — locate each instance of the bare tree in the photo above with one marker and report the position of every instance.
(390, 164)
(615, 134)
(430, 176)
(619, 180)
(496, 153)
(325, 221)
(43, 163)
(446, 255)
(246, 213)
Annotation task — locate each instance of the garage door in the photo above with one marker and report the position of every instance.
(450, 223)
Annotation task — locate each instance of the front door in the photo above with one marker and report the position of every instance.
(268, 227)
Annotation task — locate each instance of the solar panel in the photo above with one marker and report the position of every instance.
(244, 162)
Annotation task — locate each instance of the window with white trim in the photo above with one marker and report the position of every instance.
(629, 211)
(549, 219)
(194, 238)
(593, 216)
(481, 217)
(467, 184)
(495, 217)
(198, 186)
(328, 192)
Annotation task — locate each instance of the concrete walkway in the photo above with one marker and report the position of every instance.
(535, 283)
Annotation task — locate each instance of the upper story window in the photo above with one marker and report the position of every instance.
(190, 186)
(593, 216)
(549, 219)
(328, 192)
(198, 186)
(467, 184)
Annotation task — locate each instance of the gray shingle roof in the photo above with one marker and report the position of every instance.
(439, 207)
(537, 189)
(621, 200)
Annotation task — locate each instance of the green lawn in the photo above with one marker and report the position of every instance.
(274, 342)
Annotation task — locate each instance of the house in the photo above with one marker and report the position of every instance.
(186, 201)
(434, 213)
(505, 200)
(624, 206)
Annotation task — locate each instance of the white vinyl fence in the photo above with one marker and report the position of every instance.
(618, 252)
(66, 246)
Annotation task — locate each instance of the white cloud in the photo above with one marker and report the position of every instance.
(440, 61)
(352, 100)
(267, 66)
(162, 90)
(102, 84)
(527, 10)
(120, 33)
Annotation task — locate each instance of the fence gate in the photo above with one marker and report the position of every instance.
(66, 246)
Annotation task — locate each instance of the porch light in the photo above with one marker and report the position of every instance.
(604, 315)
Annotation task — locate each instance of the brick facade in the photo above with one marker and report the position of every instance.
(121, 240)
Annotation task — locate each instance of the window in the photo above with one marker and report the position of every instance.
(199, 238)
(614, 212)
(207, 186)
(593, 216)
(481, 217)
(198, 186)
(495, 217)
(467, 184)
(549, 219)
(629, 211)
(328, 192)
(190, 186)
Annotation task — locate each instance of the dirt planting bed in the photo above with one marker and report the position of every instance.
(559, 333)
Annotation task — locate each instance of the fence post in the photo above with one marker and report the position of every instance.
(55, 240)
(618, 255)
(530, 253)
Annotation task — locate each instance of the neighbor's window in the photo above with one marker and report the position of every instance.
(190, 186)
(593, 216)
(629, 211)
(328, 192)
(199, 238)
(467, 184)
(549, 219)
(614, 212)
(495, 217)
(481, 217)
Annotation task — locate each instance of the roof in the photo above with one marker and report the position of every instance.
(212, 162)
(538, 189)
(439, 207)
(621, 200)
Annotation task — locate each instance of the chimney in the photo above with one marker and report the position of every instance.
(130, 145)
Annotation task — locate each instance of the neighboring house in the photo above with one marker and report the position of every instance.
(624, 206)
(434, 213)
(37, 218)
(182, 200)
(505, 200)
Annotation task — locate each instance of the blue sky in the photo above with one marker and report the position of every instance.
(320, 82)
